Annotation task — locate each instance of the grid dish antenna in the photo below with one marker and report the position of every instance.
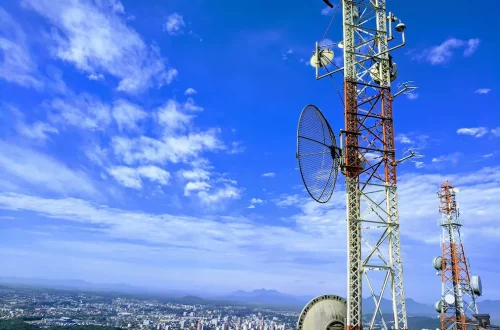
(326, 312)
(318, 155)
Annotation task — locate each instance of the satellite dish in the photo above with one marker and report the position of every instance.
(456, 190)
(476, 285)
(374, 72)
(340, 44)
(325, 57)
(318, 155)
(449, 299)
(437, 262)
(327, 312)
(440, 307)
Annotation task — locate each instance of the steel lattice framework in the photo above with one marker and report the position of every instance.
(374, 254)
(455, 276)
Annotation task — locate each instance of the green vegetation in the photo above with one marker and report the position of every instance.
(16, 325)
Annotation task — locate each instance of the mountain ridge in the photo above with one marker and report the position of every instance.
(265, 297)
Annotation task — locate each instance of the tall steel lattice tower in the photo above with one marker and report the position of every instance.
(367, 155)
(371, 189)
(458, 289)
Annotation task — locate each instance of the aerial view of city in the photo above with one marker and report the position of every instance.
(249, 165)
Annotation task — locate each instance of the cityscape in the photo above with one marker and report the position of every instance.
(33, 307)
(51, 307)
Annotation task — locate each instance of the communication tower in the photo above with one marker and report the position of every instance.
(457, 305)
(366, 155)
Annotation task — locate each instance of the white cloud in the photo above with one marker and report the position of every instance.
(172, 118)
(190, 91)
(269, 175)
(251, 207)
(174, 25)
(195, 174)
(126, 176)
(131, 177)
(94, 76)
(236, 147)
(16, 64)
(450, 158)
(37, 131)
(443, 53)
(496, 131)
(230, 242)
(327, 11)
(40, 172)
(174, 149)
(83, 111)
(196, 186)
(412, 96)
(177, 143)
(483, 91)
(94, 38)
(215, 197)
(472, 45)
(473, 131)
(403, 139)
(127, 114)
(190, 105)
(96, 154)
(419, 164)
(256, 201)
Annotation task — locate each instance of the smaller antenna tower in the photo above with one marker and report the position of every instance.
(459, 290)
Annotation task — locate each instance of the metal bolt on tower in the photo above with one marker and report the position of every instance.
(369, 157)
(457, 305)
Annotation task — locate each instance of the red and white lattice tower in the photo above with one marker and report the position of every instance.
(458, 289)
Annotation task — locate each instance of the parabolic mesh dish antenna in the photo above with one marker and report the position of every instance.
(318, 155)
(326, 312)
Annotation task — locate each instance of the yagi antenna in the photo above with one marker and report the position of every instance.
(409, 154)
(408, 88)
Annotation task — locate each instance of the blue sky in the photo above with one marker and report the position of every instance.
(153, 143)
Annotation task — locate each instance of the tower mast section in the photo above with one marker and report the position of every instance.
(458, 288)
(370, 163)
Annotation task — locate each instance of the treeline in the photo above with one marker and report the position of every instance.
(17, 324)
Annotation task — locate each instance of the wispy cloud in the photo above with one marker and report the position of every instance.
(174, 25)
(94, 38)
(473, 131)
(403, 139)
(190, 91)
(269, 175)
(236, 147)
(16, 64)
(443, 53)
(39, 172)
(483, 91)
(132, 177)
(327, 11)
(453, 158)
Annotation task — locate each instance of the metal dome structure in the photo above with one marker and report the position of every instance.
(326, 312)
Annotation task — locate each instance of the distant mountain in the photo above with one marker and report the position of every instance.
(273, 297)
(491, 307)
(71, 284)
(267, 297)
(412, 307)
